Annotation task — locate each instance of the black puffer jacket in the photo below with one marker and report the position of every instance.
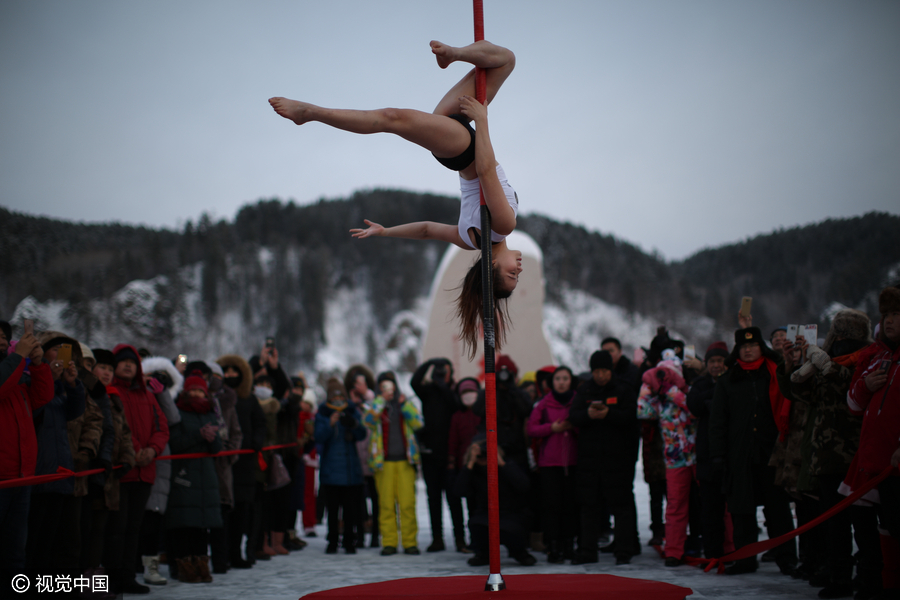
(608, 444)
(439, 402)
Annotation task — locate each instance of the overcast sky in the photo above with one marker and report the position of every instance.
(671, 124)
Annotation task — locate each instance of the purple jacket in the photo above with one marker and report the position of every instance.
(556, 449)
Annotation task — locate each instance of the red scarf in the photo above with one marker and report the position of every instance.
(847, 360)
(781, 406)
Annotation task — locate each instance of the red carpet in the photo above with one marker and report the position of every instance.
(519, 587)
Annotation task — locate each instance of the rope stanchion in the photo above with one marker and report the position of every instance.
(495, 581)
(758, 547)
(64, 473)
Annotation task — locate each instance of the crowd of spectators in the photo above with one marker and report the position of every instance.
(785, 424)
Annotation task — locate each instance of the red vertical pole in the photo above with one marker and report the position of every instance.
(495, 581)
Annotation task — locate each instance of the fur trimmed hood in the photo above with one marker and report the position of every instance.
(48, 339)
(352, 372)
(849, 324)
(243, 367)
(152, 364)
(270, 406)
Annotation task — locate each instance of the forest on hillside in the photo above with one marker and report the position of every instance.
(278, 262)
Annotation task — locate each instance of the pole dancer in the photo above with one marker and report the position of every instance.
(448, 135)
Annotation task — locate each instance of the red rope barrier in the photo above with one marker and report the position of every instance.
(759, 547)
(64, 473)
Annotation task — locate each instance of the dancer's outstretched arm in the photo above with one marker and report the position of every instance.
(420, 230)
(503, 219)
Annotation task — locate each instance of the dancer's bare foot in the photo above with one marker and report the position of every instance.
(298, 112)
(443, 53)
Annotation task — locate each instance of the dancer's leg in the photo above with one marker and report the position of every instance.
(498, 62)
(442, 136)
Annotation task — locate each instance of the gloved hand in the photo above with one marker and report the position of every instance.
(803, 373)
(347, 421)
(820, 359)
(122, 470)
(104, 464)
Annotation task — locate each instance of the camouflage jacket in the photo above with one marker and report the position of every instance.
(835, 430)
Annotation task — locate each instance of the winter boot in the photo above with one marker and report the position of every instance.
(201, 564)
(554, 553)
(537, 541)
(277, 543)
(187, 570)
(267, 549)
(151, 571)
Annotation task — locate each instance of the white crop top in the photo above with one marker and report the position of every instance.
(470, 206)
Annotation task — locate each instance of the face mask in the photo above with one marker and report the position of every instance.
(262, 392)
(215, 384)
(469, 398)
(233, 382)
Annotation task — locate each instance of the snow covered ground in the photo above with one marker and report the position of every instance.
(311, 570)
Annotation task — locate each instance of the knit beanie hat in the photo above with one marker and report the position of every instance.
(86, 352)
(103, 357)
(601, 359)
(196, 382)
(716, 349)
(386, 376)
(467, 385)
(889, 301)
(125, 354)
(215, 368)
(504, 361)
(334, 388)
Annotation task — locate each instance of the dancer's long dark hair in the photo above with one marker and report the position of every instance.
(470, 309)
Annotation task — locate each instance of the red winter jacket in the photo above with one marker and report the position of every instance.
(880, 435)
(18, 401)
(148, 424)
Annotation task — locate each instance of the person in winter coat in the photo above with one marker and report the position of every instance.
(749, 413)
(164, 379)
(20, 396)
(393, 456)
(605, 412)
(105, 498)
(623, 369)
(558, 454)
(513, 409)
(247, 491)
(512, 493)
(463, 426)
(359, 381)
(283, 514)
(50, 500)
(224, 400)
(663, 399)
(831, 440)
(86, 435)
(149, 434)
(718, 537)
(268, 541)
(194, 503)
(338, 428)
(433, 384)
(875, 392)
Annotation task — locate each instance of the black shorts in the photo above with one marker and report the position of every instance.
(458, 163)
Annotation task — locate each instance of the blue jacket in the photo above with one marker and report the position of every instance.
(339, 462)
(51, 426)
